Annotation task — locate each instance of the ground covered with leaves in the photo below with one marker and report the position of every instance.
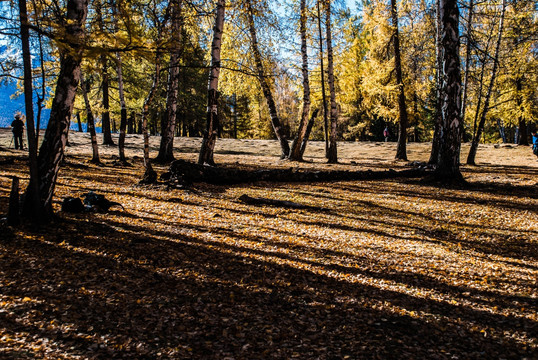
(381, 269)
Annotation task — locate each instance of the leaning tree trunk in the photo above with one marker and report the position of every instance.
(212, 129)
(401, 151)
(35, 210)
(332, 155)
(476, 140)
(166, 149)
(297, 148)
(51, 151)
(434, 155)
(90, 120)
(448, 164)
(275, 120)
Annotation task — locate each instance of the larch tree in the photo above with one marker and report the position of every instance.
(332, 153)
(401, 151)
(34, 210)
(90, 120)
(476, 139)
(51, 152)
(166, 149)
(297, 148)
(212, 129)
(448, 163)
(105, 83)
(437, 119)
(264, 83)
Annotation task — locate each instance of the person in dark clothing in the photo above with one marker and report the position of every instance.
(386, 134)
(17, 127)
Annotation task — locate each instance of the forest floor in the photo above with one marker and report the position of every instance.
(378, 269)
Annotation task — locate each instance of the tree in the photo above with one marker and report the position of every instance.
(33, 210)
(51, 151)
(297, 148)
(105, 81)
(332, 156)
(84, 86)
(166, 149)
(121, 92)
(468, 37)
(262, 77)
(212, 129)
(474, 145)
(448, 163)
(401, 152)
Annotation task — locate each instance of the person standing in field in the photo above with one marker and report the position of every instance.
(17, 127)
(535, 143)
(386, 134)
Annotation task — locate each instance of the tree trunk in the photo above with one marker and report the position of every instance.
(123, 112)
(105, 117)
(212, 127)
(52, 149)
(166, 149)
(297, 151)
(476, 140)
(308, 130)
(522, 138)
(266, 89)
(323, 95)
(79, 122)
(401, 151)
(467, 66)
(434, 155)
(35, 209)
(145, 112)
(90, 120)
(448, 164)
(332, 156)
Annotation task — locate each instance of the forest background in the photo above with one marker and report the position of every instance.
(365, 82)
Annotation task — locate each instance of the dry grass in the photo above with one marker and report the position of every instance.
(391, 269)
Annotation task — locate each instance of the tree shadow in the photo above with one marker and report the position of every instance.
(187, 298)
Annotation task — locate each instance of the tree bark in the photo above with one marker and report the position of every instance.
(123, 113)
(266, 89)
(476, 140)
(308, 130)
(105, 117)
(33, 211)
(522, 138)
(79, 122)
(166, 149)
(212, 127)
(401, 151)
(297, 148)
(434, 155)
(90, 120)
(467, 66)
(323, 95)
(51, 151)
(332, 155)
(448, 164)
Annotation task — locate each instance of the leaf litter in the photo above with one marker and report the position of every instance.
(374, 269)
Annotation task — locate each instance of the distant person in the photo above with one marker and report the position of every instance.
(17, 127)
(535, 143)
(386, 134)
